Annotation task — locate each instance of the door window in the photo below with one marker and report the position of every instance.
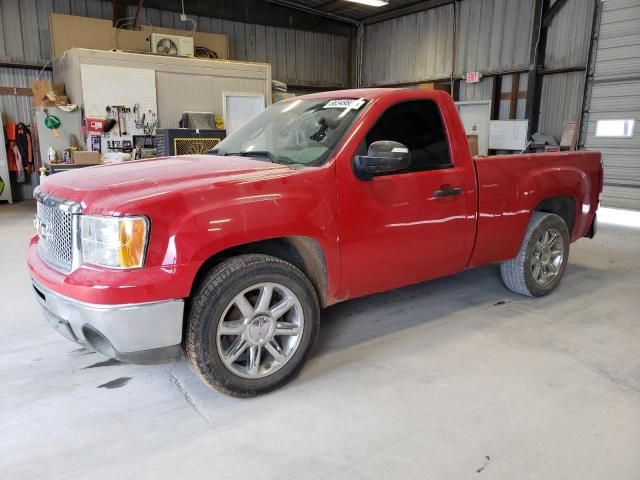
(418, 125)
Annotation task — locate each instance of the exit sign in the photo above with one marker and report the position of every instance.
(473, 77)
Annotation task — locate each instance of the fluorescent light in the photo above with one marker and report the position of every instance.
(371, 3)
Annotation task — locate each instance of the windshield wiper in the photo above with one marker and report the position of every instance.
(255, 153)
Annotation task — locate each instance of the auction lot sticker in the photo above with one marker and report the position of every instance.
(350, 103)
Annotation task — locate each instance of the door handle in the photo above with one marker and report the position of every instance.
(447, 192)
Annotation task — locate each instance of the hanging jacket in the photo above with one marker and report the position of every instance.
(23, 143)
(17, 159)
(14, 158)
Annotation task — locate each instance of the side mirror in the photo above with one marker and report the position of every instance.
(384, 156)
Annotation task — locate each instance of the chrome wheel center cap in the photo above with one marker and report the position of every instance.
(546, 255)
(260, 330)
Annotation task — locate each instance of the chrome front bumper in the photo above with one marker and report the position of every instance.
(137, 333)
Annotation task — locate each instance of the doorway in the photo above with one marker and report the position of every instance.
(475, 117)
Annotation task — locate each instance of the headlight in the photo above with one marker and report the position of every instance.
(114, 242)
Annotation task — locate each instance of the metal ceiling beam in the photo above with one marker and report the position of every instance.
(589, 81)
(314, 11)
(273, 13)
(331, 6)
(536, 62)
(406, 10)
(119, 10)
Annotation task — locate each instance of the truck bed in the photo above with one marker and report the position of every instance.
(510, 187)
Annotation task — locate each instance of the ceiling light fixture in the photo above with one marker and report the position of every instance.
(371, 3)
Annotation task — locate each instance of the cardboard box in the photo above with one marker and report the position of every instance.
(133, 41)
(443, 86)
(69, 31)
(473, 144)
(86, 158)
(46, 94)
(570, 135)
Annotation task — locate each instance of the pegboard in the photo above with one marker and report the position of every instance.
(104, 86)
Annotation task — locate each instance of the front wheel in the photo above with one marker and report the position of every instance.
(252, 325)
(542, 259)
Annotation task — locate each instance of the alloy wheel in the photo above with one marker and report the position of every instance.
(547, 258)
(260, 330)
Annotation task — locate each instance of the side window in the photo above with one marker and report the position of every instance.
(418, 125)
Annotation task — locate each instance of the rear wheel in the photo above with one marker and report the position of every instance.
(252, 325)
(542, 259)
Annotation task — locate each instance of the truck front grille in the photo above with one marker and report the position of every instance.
(56, 226)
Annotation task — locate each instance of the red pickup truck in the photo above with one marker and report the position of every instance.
(318, 199)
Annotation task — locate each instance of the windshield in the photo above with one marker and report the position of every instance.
(298, 132)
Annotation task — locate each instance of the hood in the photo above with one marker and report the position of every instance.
(107, 187)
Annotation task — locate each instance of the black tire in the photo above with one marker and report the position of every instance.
(518, 273)
(209, 304)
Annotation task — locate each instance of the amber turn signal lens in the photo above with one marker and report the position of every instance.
(133, 235)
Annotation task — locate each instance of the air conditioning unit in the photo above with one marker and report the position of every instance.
(172, 45)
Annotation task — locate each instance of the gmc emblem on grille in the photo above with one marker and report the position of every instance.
(41, 228)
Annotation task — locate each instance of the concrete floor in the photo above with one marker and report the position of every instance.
(452, 379)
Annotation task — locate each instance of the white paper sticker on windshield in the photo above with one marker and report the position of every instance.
(349, 103)
(399, 150)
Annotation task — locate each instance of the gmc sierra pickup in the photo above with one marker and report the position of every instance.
(230, 257)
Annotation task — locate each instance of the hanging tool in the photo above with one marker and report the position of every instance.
(154, 123)
(150, 126)
(126, 114)
(109, 123)
(52, 123)
(139, 120)
(118, 107)
(124, 121)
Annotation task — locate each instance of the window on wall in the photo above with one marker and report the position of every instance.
(621, 128)
(416, 124)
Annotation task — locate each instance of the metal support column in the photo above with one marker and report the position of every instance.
(536, 61)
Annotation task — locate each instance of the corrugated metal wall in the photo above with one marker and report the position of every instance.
(568, 40)
(297, 57)
(560, 102)
(493, 35)
(568, 35)
(615, 94)
(409, 49)
(24, 26)
(476, 91)
(16, 107)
